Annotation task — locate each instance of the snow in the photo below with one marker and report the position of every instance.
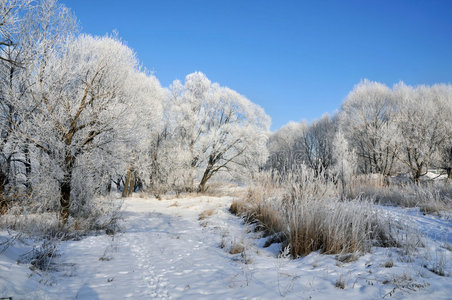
(167, 251)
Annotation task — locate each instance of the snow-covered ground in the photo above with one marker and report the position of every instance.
(180, 248)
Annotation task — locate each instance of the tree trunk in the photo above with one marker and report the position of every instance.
(65, 187)
(205, 178)
(417, 177)
(125, 191)
(65, 197)
(131, 184)
(3, 202)
(27, 168)
(109, 185)
(4, 180)
(202, 186)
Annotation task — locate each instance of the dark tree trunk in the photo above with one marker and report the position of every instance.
(202, 184)
(27, 168)
(109, 185)
(130, 190)
(65, 189)
(65, 199)
(206, 176)
(3, 201)
(129, 184)
(4, 180)
(417, 177)
(126, 184)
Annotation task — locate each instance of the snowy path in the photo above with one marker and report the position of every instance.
(157, 256)
(166, 251)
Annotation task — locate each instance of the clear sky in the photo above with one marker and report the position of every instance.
(296, 59)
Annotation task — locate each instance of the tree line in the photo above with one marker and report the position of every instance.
(378, 130)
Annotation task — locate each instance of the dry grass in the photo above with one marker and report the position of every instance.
(264, 215)
(141, 195)
(236, 248)
(221, 189)
(346, 258)
(270, 219)
(333, 227)
(306, 210)
(431, 198)
(239, 208)
(31, 223)
(205, 214)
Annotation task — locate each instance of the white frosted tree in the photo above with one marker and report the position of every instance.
(143, 143)
(187, 106)
(367, 121)
(285, 147)
(80, 104)
(423, 125)
(443, 159)
(217, 127)
(11, 14)
(317, 144)
(32, 33)
(345, 161)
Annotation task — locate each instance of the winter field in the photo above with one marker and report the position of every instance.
(194, 248)
(114, 184)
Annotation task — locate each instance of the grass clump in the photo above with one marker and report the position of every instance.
(205, 214)
(306, 209)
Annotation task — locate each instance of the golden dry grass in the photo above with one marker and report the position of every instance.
(205, 214)
(307, 212)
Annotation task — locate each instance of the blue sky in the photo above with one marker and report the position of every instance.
(296, 59)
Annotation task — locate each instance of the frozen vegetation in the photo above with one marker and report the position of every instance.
(112, 186)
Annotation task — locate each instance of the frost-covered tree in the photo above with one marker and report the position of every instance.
(188, 101)
(344, 161)
(145, 140)
(423, 125)
(217, 127)
(11, 12)
(235, 128)
(318, 143)
(367, 121)
(80, 103)
(286, 148)
(33, 32)
(444, 158)
(9, 63)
